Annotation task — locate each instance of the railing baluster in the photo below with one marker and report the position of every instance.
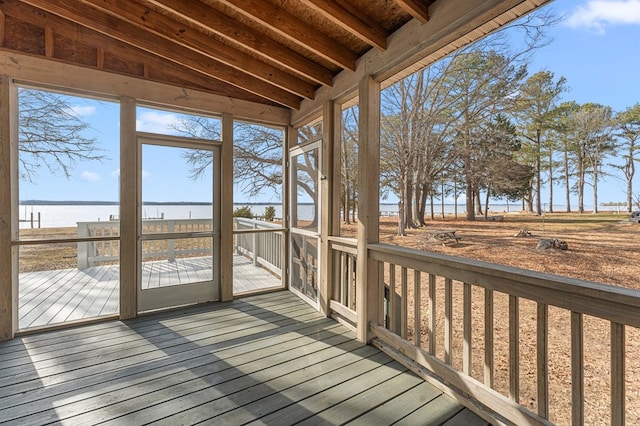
(488, 337)
(352, 281)
(514, 349)
(432, 314)
(577, 368)
(466, 319)
(448, 320)
(405, 295)
(417, 318)
(542, 339)
(617, 374)
(345, 276)
(393, 303)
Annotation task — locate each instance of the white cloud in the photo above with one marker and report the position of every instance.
(83, 111)
(596, 15)
(145, 174)
(90, 176)
(156, 122)
(115, 173)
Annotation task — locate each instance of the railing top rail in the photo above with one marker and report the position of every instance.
(154, 221)
(606, 301)
(344, 240)
(261, 223)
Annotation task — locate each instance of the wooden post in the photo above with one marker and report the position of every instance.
(326, 204)
(8, 209)
(83, 247)
(368, 292)
(129, 217)
(254, 244)
(291, 138)
(226, 210)
(171, 243)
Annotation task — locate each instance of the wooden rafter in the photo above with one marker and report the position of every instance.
(127, 54)
(180, 35)
(122, 30)
(351, 20)
(208, 19)
(419, 9)
(293, 29)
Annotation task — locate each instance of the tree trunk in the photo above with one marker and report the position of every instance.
(595, 190)
(630, 172)
(471, 209)
(478, 203)
(581, 173)
(538, 174)
(455, 200)
(550, 180)
(486, 204)
(408, 204)
(401, 227)
(423, 203)
(567, 182)
(442, 199)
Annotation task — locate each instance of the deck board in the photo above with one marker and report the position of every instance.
(266, 359)
(53, 297)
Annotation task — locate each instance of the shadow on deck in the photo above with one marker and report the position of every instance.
(266, 359)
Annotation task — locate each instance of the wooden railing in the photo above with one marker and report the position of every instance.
(444, 318)
(91, 253)
(342, 303)
(260, 241)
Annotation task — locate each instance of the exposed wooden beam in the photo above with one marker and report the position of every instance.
(179, 34)
(294, 30)
(125, 53)
(417, 8)
(100, 57)
(2, 17)
(123, 31)
(42, 71)
(351, 20)
(451, 22)
(48, 41)
(210, 20)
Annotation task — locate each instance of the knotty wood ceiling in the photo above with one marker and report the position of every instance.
(275, 52)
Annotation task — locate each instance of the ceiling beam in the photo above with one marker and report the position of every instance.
(128, 54)
(351, 20)
(417, 8)
(295, 31)
(182, 35)
(210, 20)
(47, 73)
(124, 31)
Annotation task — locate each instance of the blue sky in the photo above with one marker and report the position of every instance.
(596, 47)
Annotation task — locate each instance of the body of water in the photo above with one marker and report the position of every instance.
(69, 215)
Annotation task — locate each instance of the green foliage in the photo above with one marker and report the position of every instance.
(243, 212)
(270, 213)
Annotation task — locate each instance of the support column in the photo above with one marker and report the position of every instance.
(129, 217)
(368, 293)
(226, 210)
(326, 204)
(8, 207)
(290, 139)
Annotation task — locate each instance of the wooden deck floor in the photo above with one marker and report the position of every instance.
(261, 360)
(52, 297)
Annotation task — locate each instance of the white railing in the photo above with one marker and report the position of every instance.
(91, 253)
(259, 241)
(484, 330)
